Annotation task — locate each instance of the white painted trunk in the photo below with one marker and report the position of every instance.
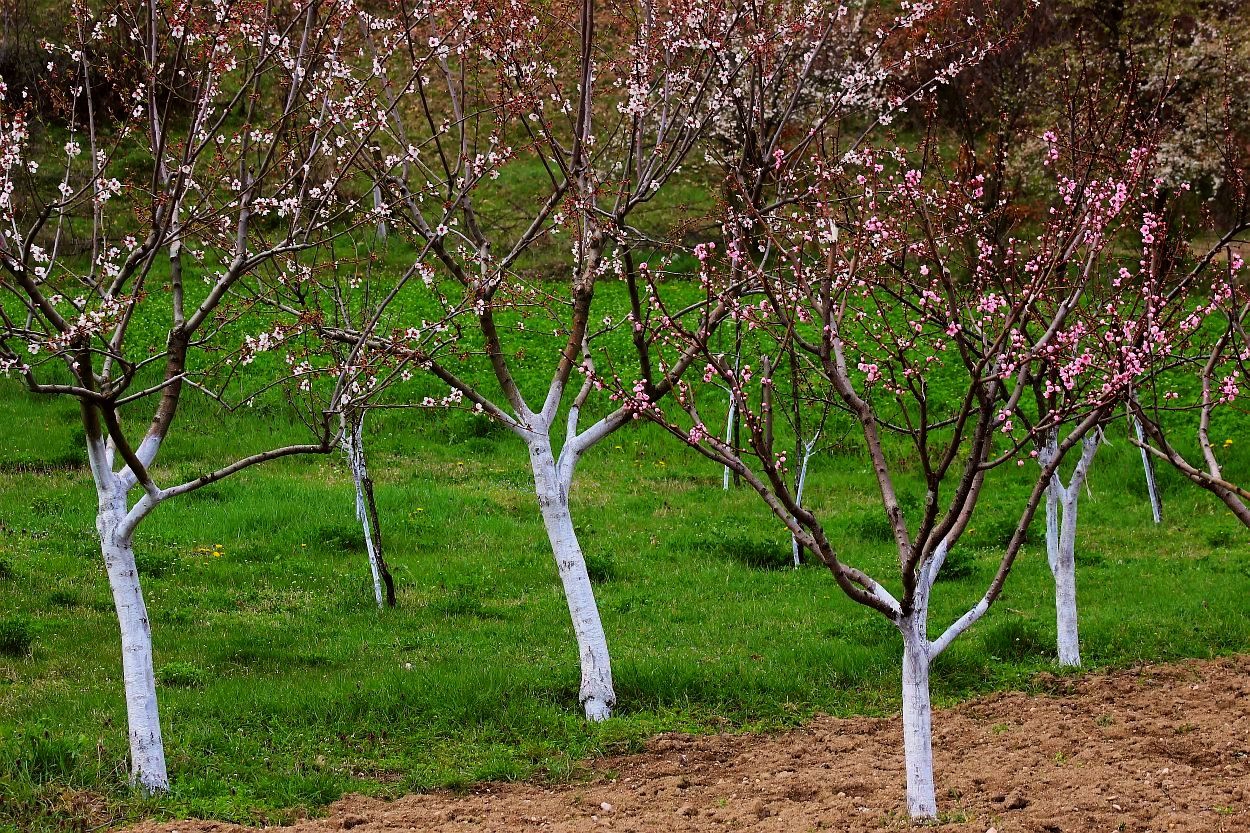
(1063, 567)
(1053, 496)
(353, 445)
(1061, 515)
(1152, 486)
(809, 449)
(377, 204)
(917, 719)
(729, 432)
(147, 751)
(596, 693)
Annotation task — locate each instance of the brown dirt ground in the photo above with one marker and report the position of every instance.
(1160, 747)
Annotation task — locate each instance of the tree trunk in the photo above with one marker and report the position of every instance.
(366, 512)
(376, 525)
(917, 719)
(147, 751)
(596, 694)
(809, 449)
(1061, 555)
(733, 432)
(1152, 486)
(1061, 515)
(1053, 496)
(377, 204)
(362, 514)
(1063, 567)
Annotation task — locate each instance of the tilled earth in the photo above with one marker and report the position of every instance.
(1160, 747)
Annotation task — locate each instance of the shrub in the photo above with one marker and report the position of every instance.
(462, 601)
(1221, 538)
(959, 670)
(869, 629)
(1090, 558)
(38, 756)
(219, 493)
(74, 454)
(6, 568)
(342, 538)
(44, 507)
(481, 427)
(996, 532)
(732, 542)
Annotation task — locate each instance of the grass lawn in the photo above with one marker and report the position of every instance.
(283, 687)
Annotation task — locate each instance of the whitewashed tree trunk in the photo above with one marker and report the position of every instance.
(919, 652)
(378, 202)
(1063, 567)
(1054, 494)
(353, 445)
(551, 484)
(729, 435)
(809, 448)
(1061, 517)
(917, 717)
(147, 749)
(732, 419)
(1152, 486)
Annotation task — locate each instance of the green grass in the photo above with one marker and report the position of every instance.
(282, 687)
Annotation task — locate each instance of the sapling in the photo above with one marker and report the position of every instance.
(805, 443)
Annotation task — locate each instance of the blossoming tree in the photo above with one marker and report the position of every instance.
(885, 281)
(1217, 361)
(228, 106)
(603, 112)
(1178, 412)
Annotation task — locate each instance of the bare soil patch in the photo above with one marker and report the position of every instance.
(1156, 748)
